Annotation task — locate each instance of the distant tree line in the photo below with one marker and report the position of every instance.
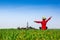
(26, 28)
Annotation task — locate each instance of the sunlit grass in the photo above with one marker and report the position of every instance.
(30, 34)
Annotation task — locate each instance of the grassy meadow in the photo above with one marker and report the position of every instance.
(29, 34)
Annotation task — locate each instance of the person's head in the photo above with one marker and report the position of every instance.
(43, 18)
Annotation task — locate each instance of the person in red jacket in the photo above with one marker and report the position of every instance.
(43, 23)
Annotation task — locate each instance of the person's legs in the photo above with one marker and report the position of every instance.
(41, 28)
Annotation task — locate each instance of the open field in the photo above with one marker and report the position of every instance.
(30, 34)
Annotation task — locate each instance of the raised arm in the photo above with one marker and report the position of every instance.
(48, 19)
(37, 21)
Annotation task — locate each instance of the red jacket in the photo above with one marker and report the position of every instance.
(43, 23)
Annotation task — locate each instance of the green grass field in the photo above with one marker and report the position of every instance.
(31, 34)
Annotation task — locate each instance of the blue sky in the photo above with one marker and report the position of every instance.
(14, 13)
